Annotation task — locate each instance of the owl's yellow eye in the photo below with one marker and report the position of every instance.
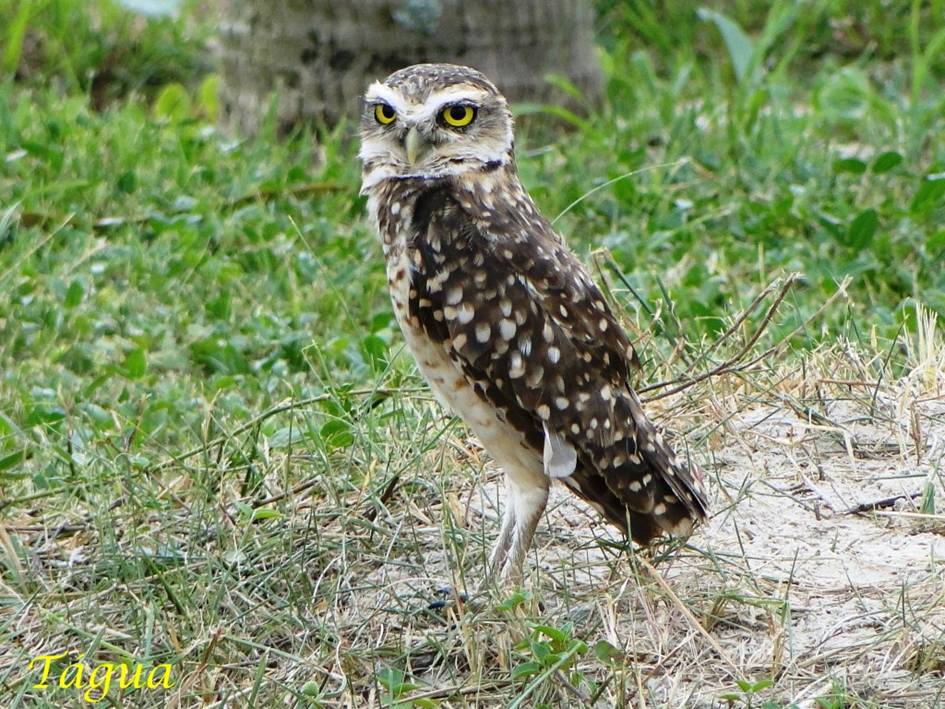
(458, 116)
(384, 114)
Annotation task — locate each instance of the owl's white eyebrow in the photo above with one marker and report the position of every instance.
(378, 92)
(460, 94)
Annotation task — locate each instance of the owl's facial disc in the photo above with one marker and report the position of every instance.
(434, 134)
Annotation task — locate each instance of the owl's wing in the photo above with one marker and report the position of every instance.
(533, 334)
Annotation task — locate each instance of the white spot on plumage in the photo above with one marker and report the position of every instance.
(554, 354)
(483, 331)
(454, 295)
(507, 328)
(466, 313)
(535, 375)
(435, 284)
(517, 366)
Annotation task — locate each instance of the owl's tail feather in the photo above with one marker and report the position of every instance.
(658, 491)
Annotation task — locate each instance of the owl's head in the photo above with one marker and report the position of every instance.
(431, 121)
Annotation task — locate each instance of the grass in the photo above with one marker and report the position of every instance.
(213, 453)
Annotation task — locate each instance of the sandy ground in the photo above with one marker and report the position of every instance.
(820, 568)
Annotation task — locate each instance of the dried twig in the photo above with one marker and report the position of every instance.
(729, 365)
(880, 504)
(734, 363)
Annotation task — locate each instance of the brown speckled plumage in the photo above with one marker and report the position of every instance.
(505, 322)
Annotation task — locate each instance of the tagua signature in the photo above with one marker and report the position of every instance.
(97, 679)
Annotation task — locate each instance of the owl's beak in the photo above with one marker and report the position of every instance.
(415, 145)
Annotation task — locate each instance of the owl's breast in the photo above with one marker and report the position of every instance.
(448, 381)
(453, 387)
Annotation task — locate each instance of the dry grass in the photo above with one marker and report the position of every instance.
(821, 574)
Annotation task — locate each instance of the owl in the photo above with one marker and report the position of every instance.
(504, 321)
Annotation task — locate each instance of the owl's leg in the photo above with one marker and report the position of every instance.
(527, 503)
(501, 549)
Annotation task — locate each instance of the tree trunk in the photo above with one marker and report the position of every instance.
(319, 55)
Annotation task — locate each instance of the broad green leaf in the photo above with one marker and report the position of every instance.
(516, 599)
(884, 162)
(208, 97)
(556, 634)
(375, 350)
(172, 103)
(526, 669)
(13, 459)
(285, 437)
(45, 414)
(337, 434)
(863, 228)
(607, 653)
(135, 364)
(74, 294)
(853, 165)
(930, 193)
(264, 513)
(738, 44)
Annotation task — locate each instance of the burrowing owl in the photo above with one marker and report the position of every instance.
(504, 321)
